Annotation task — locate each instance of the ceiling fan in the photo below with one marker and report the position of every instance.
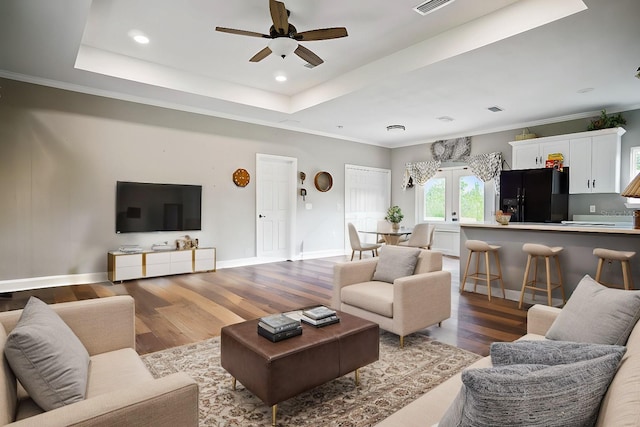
(284, 36)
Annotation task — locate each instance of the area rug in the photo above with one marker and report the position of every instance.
(400, 376)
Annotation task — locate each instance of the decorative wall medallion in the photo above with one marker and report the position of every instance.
(456, 150)
(241, 177)
(323, 181)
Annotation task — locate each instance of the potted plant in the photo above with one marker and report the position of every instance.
(607, 121)
(394, 216)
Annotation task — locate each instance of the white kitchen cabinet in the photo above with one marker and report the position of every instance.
(123, 266)
(596, 160)
(533, 153)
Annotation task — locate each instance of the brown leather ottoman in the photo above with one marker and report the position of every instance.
(278, 371)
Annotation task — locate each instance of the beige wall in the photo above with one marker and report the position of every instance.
(62, 152)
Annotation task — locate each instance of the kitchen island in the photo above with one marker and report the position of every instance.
(578, 239)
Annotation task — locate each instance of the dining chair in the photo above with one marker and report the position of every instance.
(421, 236)
(356, 245)
(383, 227)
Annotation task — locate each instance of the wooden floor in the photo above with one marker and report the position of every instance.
(182, 309)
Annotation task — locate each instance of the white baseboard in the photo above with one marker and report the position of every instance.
(51, 281)
(80, 279)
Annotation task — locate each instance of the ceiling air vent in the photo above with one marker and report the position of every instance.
(431, 5)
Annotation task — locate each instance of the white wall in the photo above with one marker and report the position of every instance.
(62, 152)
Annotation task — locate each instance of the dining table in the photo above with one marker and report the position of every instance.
(390, 237)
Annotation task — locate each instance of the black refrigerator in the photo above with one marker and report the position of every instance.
(535, 195)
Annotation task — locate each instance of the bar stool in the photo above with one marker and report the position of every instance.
(611, 255)
(478, 247)
(535, 251)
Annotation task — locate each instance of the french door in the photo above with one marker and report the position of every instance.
(455, 194)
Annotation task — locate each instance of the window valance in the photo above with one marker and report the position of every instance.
(485, 166)
(420, 172)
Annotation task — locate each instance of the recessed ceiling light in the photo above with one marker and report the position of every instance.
(139, 37)
(585, 90)
(281, 78)
(395, 128)
(495, 109)
(445, 119)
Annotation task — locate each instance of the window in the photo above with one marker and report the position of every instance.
(455, 194)
(634, 170)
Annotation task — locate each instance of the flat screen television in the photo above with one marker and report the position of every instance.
(143, 207)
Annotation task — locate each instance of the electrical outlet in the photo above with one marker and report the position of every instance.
(592, 208)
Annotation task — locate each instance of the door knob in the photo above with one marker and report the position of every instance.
(262, 216)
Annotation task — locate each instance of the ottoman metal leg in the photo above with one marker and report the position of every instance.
(274, 411)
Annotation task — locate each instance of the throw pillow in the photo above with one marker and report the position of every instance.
(533, 395)
(395, 262)
(597, 314)
(47, 357)
(548, 352)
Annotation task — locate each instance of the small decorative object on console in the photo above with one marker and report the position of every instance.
(186, 242)
(130, 249)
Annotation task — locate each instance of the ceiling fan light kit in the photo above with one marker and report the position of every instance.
(285, 37)
(283, 46)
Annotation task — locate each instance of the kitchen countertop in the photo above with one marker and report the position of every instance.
(569, 226)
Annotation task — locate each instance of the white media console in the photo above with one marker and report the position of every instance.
(128, 266)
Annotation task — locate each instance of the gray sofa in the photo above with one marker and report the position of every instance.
(120, 390)
(620, 406)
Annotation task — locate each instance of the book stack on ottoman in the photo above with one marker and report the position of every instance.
(319, 316)
(278, 327)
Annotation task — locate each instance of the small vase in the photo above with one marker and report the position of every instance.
(395, 226)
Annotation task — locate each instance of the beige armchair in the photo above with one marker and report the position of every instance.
(405, 306)
(120, 391)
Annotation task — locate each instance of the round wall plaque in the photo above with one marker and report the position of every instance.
(323, 181)
(241, 177)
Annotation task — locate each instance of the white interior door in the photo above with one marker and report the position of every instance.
(367, 197)
(276, 207)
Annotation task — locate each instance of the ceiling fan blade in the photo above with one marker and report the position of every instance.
(279, 16)
(261, 55)
(242, 32)
(308, 56)
(321, 34)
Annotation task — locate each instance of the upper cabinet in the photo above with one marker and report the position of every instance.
(533, 153)
(593, 158)
(598, 158)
